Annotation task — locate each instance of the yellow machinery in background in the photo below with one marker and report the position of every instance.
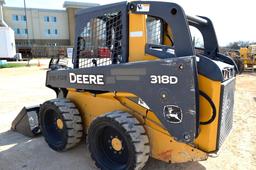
(248, 56)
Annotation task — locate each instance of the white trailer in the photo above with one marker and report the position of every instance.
(7, 43)
(7, 39)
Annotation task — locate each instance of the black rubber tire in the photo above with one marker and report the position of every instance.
(71, 133)
(134, 139)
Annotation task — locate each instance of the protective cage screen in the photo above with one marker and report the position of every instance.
(99, 44)
(154, 30)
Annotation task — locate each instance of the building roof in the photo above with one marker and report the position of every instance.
(38, 9)
(69, 4)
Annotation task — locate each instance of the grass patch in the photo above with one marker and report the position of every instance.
(12, 65)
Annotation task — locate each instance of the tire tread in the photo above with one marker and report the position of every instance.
(137, 134)
(72, 120)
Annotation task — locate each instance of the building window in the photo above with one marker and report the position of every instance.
(46, 19)
(52, 32)
(87, 30)
(21, 31)
(19, 18)
(50, 19)
(53, 19)
(23, 18)
(17, 31)
(15, 17)
(24, 31)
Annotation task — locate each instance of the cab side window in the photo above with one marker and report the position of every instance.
(154, 30)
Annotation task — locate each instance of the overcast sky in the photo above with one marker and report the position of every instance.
(233, 20)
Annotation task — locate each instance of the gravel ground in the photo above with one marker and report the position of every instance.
(25, 87)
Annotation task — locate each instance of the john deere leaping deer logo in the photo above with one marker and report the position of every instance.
(173, 113)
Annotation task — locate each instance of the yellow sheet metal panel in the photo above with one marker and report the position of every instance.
(91, 106)
(208, 133)
(165, 148)
(149, 117)
(134, 108)
(155, 123)
(138, 38)
(117, 94)
(168, 35)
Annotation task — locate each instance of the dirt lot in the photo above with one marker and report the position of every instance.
(25, 86)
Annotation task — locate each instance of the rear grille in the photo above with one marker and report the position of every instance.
(226, 111)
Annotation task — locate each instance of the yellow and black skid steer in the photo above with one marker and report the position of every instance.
(138, 88)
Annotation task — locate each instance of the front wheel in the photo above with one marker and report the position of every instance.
(61, 124)
(117, 141)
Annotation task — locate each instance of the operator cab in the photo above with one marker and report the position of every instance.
(160, 43)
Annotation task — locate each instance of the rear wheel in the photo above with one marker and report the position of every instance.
(61, 124)
(117, 141)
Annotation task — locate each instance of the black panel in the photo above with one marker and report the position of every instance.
(160, 51)
(211, 46)
(178, 90)
(209, 69)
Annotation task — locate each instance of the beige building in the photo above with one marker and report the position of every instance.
(44, 27)
(71, 8)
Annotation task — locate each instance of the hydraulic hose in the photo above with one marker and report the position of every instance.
(213, 108)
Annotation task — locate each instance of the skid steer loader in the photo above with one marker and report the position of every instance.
(138, 89)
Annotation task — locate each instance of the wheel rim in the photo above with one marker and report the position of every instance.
(60, 124)
(116, 144)
(54, 127)
(112, 148)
